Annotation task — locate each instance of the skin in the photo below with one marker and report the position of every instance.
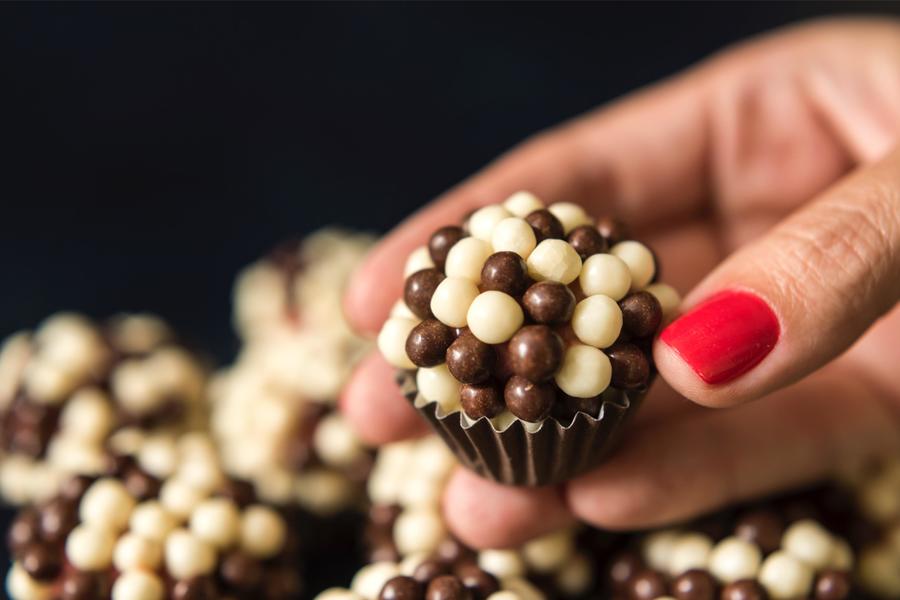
(771, 167)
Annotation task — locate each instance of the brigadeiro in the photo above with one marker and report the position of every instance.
(523, 336)
(70, 385)
(185, 531)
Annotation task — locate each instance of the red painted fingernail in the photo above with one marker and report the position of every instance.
(725, 336)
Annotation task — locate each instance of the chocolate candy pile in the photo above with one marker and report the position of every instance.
(527, 312)
(129, 534)
(67, 387)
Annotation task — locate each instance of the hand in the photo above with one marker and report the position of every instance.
(770, 168)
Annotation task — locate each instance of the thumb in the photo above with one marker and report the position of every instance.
(790, 302)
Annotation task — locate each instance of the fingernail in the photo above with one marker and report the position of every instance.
(725, 336)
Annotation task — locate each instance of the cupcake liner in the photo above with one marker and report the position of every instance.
(553, 453)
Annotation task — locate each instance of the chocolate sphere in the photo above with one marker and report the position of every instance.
(647, 585)
(24, 531)
(612, 230)
(761, 527)
(419, 289)
(427, 343)
(549, 302)
(239, 492)
(478, 581)
(141, 485)
(505, 272)
(447, 587)
(58, 518)
(41, 562)
(545, 225)
(80, 585)
(440, 243)
(240, 571)
(429, 569)
(641, 314)
(695, 584)
(75, 487)
(402, 588)
(384, 515)
(527, 400)
(481, 400)
(745, 589)
(623, 568)
(536, 352)
(469, 359)
(452, 551)
(587, 241)
(630, 367)
(832, 585)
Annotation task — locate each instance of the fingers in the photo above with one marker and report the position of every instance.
(670, 471)
(792, 301)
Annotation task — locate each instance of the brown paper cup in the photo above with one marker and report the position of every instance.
(552, 454)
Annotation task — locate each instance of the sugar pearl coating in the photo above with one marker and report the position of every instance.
(90, 547)
(785, 577)
(527, 400)
(549, 302)
(481, 400)
(554, 260)
(640, 262)
(466, 258)
(418, 290)
(571, 215)
(733, 559)
(107, 503)
(427, 343)
(494, 317)
(469, 359)
(138, 585)
(535, 352)
(521, 204)
(587, 241)
(263, 531)
(188, 556)
(485, 219)
(809, 542)
(418, 259)
(545, 225)
(151, 520)
(441, 241)
(436, 384)
(217, 521)
(133, 551)
(641, 314)
(597, 321)
(585, 371)
(668, 297)
(514, 234)
(630, 367)
(605, 274)
(691, 551)
(505, 272)
(392, 341)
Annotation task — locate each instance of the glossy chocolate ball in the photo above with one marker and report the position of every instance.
(630, 367)
(440, 243)
(761, 527)
(505, 272)
(832, 585)
(536, 352)
(447, 587)
(549, 302)
(481, 400)
(469, 359)
(75, 487)
(429, 569)
(24, 531)
(241, 571)
(478, 581)
(427, 343)
(419, 289)
(402, 588)
(57, 519)
(545, 225)
(528, 400)
(81, 585)
(695, 584)
(744, 589)
(647, 585)
(641, 314)
(623, 568)
(587, 241)
(41, 562)
(613, 230)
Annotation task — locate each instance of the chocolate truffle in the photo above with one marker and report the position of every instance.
(505, 272)
(587, 241)
(545, 225)
(481, 400)
(447, 587)
(528, 400)
(419, 289)
(440, 243)
(535, 352)
(427, 343)
(549, 302)
(641, 314)
(469, 359)
(630, 367)
(402, 588)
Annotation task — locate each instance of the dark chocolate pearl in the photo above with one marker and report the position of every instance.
(58, 518)
(239, 492)
(282, 583)
(549, 302)
(647, 585)
(630, 367)
(429, 569)
(402, 588)
(505, 272)
(623, 568)
(695, 584)
(545, 225)
(469, 359)
(641, 314)
(141, 485)
(612, 230)
(535, 352)
(384, 551)
(527, 400)
(240, 571)
(587, 241)
(745, 589)
(419, 289)
(75, 487)
(24, 531)
(440, 243)
(447, 587)
(427, 343)
(478, 581)
(832, 585)
(761, 527)
(451, 551)
(118, 464)
(80, 585)
(384, 515)
(481, 400)
(41, 562)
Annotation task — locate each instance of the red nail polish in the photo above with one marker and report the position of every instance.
(725, 336)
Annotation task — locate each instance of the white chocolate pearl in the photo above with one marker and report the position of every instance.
(158, 456)
(137, 585)
(107, 503)
(521, 204)
(605, 274)
(576, 576)
(808, 541)
(419, 530)
(90, 547)
(554, 260)
(451, 301)
(669, 298)
(150, 520)
(522, 588)
(514, 235)
(369, 580)
(21, 586)
(47, 383)
(412, 562)
(691, 551)
(504, 595)
(585, 371)
(418, 259)
(87, 415)
(335, 442)
(494, 317)
(400, 309)
(785, 577)
(201, 473)
(597, 321)
(549, 553)
(188, 556)
(421, 491)
(217, 521)
(842, 557)
(639, 260)
(338, 594)
(484, 220)
(733, 559)
(879, 500)
(437, 384)
(466, 258)
(657, 547)
(569, 214)
(263, 531)
(323, 491)
(179, 498)
(134, 551)
(502, 563)
(392, 342)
